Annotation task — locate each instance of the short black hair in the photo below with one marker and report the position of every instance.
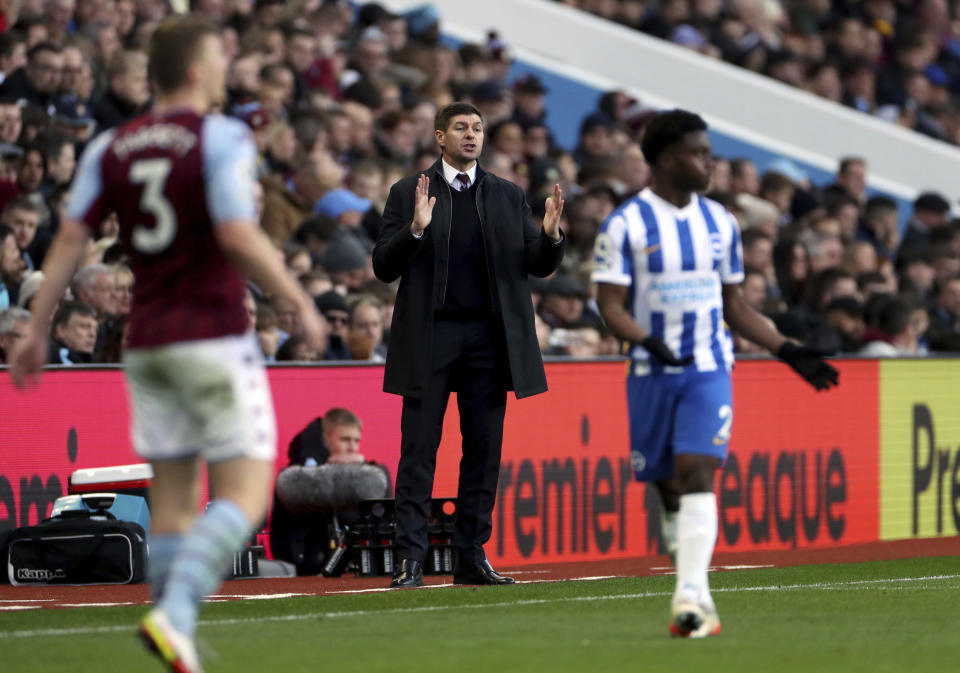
(666, 129)
(67, 310)
(442, 121)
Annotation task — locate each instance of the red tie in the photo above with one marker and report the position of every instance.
(463, 181)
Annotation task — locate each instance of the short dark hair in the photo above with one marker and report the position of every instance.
(19, 203)
(772, 181)
(68, 309)
(846, 162)
(174, 47)
(445, 114)
(879, 205)
(666, 129)
(42, 47)
(340, 416)
(751, 236)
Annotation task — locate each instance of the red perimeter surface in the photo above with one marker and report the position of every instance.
(69, 596)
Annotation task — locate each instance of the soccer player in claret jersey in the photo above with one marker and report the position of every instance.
(182, 184)
(668, 268)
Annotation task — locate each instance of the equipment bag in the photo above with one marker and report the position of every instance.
(77, 550)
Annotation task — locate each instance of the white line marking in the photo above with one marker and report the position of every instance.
(94, 605)
(255, 597)
(27, 600)
(128, 628)
(18, 607)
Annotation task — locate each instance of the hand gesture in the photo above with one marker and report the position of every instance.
(660, 351)
(551, 218)
(422, 206)
(28, 359)
(809, 364)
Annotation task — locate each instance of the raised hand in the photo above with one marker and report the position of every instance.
(551, 218)
(422, 206)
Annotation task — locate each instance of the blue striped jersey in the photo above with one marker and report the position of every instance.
(674, 261)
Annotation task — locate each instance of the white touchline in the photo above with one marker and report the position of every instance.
(122, 628)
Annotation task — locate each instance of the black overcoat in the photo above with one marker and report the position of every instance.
(515, 249)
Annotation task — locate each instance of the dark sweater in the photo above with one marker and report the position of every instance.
(468, 286)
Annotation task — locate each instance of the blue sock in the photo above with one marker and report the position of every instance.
(204, 558)
(163, 549)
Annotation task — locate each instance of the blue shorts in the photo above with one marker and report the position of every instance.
(690, 412)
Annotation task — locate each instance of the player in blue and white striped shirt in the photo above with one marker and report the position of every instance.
(668, 267)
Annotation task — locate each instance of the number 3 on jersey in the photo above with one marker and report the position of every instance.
(152, 174)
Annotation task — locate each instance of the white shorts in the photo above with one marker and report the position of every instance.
(207, 398)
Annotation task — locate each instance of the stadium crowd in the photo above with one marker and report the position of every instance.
(896, 59)
(341, 101)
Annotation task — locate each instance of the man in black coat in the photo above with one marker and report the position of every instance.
(463, 243)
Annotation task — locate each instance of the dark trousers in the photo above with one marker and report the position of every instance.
(468, 358)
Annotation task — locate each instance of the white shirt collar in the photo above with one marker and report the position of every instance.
(450, 173)
(669, 206)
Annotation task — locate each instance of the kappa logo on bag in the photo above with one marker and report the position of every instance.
(40, 574)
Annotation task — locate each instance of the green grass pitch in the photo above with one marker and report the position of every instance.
(870, 617)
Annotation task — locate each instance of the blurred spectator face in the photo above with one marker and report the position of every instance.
(17, 333)
(283, 78)
(390, 98)
(123, 291)
(743, 177)
(250, 308)
(917, 87)
(272, 98)
(949, 299)
(759, 254)
(24, 224)
(339, 322)
(853, 179)
(597, 142)
(720, 179)
(567, 308)
(107, 43)
(367, 320)
(44, 71)
(340, 133)
(16, 59)
(283, 143)
(920, 275)
(828, 225)
(536, 142)
(826, 84)
(829, 255)
(423, 114)
(60, 166)
(343, 442)
(529, 103)
(799, 263)
(59, 13)
(443, 65)
(842, 287)
(110, 226)
(300, 262)
(755, 290)
(850, 326)
(361, 118)
(77, 77)
(244, 75)
(367, 183)
(288, 319)
(887, 286)
(211, 9)
(103, 295)
(132, 85)
(371, 57)
(863, 258)
(30, 173)
(126, 17)
(301, 51)
(848, 216)
(509, 140)
(850, 38)
(11, 263)
(395, 30)
(79, 333)
(274, 47)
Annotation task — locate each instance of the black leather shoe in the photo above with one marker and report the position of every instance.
(479, 573)
(409, 574)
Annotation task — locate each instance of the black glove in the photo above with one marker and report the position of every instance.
(809, 364)
(658, 349)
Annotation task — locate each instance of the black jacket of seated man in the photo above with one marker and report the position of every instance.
(305, 539)
(463, 322)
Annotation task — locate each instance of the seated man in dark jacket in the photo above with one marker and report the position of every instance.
(305, 533)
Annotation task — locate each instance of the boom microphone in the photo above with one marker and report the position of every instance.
(303, 490)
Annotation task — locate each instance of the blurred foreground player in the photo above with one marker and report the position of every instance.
(669, 267)
(182, 184)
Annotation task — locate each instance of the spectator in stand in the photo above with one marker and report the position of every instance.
(743, 177)
(60, 159)
(73, 334)
(11, 268)
(14, 322)
(845, 315)
(95, 286)
(38, 82)
(563, 302)
(930, 211)
(529, 105)
(13, 53)
(891, 332)
(851, 179)
(365, 338)
(128, 90)
(879, 225)
(333, 307)
(778, 189)
(944, 331)
(596, 141)
(23, 219)
(289, 202)
(824, 250)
